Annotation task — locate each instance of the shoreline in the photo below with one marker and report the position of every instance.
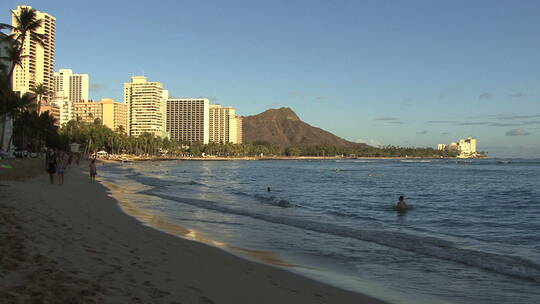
(132, 158)
(92, 250)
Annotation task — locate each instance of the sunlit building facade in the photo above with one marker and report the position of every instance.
(37, 62)
(113, 114)
(69, 88)
(224, 125)
(146, 107)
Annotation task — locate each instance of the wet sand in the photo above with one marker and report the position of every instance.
(72, 243)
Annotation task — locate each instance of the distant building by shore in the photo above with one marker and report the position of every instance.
(146, 106)
(68, 89)
(187, 119)
(113, 114)
(467, 148)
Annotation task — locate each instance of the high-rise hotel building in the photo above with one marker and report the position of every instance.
(68, 89)
(37, 62)
(187, 119)
(225, 126)
(146, 104)
(111, 113)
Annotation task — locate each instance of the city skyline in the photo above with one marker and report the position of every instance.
(413, 74)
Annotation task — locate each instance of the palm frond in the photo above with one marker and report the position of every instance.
(39, 38)
(5, 26)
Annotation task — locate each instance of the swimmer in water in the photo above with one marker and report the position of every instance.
(401, 205)
(268, 189)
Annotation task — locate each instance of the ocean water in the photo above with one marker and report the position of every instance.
(472, 234)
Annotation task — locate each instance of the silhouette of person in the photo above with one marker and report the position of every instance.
(401, 205)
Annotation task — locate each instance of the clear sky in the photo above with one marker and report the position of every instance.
(408, 73)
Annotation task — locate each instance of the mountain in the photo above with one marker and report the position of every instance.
(283, 127)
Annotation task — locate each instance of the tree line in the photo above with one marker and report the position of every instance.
(96, 136)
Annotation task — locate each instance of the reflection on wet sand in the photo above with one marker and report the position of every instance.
(162, 224)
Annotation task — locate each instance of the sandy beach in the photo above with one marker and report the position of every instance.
(72, 243)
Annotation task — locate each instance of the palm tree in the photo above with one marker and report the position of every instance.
(17, 107)
(40, 91)
(26, 26)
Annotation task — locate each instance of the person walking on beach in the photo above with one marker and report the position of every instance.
(401, 205)
(70, 159)
(93, 170)
(50, 163)
(61, 167)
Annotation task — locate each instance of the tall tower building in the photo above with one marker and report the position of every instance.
(37, 63)
(69, 88)
(224, 125)
(187, 119)
(236, 131)
(146, 105)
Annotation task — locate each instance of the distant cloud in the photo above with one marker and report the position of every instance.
(387, 118)
(534, 122)
(510, 117)
(295, 93)
(211, 98)
(441, 121)
(390, 120)
(502, 124)
(517, 132)
(371, 142)
(97, 87)
(406, 102)
(322, 98)
(423, 132)
(473, 123)
(485, 95)
(516, 95)
(274, 105)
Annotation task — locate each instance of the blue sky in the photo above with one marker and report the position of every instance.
(408, 73)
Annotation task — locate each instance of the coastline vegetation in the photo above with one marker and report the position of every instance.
(96, 136)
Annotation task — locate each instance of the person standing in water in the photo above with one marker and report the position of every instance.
(401, 205)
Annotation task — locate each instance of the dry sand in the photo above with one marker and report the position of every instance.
(72, 244)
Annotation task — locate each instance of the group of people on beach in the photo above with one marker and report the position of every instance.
(57, 162)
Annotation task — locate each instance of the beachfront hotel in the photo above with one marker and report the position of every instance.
(146, 106)
(465, 147)
(53, 110)
(224, 125)
(37, 63)
(68, 89)
(112, 114)
(187, 119)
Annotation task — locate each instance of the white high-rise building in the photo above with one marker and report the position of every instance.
(146, 103)
(69, 88)
(37, 63)
(187, 119)
(225, 126)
